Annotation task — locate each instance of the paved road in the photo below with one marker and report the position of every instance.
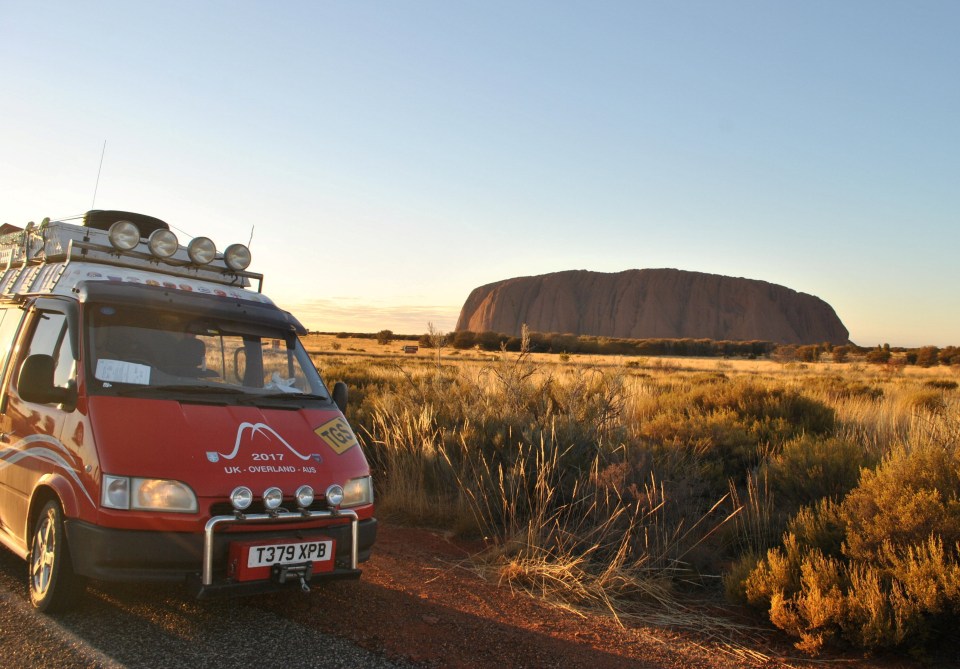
(152, 626)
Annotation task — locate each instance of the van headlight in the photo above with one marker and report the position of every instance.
(139, 494)
(358, 491)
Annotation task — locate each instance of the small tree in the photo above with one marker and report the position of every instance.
(840, 353)
(437, 340)
(949, 355)
(384, 336)
(928, 356)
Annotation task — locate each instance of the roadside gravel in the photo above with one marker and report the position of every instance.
(162, 627)
(419, 604)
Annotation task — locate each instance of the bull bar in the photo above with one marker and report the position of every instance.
(279, 516)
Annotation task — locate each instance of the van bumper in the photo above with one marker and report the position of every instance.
(108, 554)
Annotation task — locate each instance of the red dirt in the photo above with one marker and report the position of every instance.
(419, 601)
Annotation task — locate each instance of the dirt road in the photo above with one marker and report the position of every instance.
(417, 605)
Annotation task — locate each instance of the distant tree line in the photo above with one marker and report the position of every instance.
(883, 354)
(551, 342)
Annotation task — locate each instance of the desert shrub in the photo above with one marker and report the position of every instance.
(840, 353)
(927, 356)
(727, 424)
(784, 353)
(881, 568)
(776, 575)
(878, 356)
(736, 575)
(817, 597)
(562, 343)
(820, 526)
(803, 592)
(839, 387)
(461, 340)
(812, 467)
(913, 494)
(941, 384)
(925, 400)
(949, 355)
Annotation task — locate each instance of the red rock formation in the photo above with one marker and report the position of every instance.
(652, 303)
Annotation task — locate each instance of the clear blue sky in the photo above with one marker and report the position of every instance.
(393, 156)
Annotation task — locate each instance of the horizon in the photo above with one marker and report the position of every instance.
(388, 159)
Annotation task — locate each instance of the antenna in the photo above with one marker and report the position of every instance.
(251, 236)
(97, 185)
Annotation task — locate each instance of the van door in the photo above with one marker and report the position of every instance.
(30, 434)
(10, 318)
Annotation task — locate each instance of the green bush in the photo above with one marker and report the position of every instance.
(812, 467)
(726, 424)
(913, 495)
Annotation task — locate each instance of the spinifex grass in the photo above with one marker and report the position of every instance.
(611, 483)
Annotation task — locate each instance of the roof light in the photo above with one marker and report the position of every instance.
(124, 235)
(163, 243)
(202, 250)
(237, 257)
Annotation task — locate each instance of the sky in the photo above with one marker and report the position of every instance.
(386, 157)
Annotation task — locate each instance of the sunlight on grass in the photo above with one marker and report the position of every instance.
(628, 485)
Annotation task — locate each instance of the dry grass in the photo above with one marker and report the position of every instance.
(617, 483)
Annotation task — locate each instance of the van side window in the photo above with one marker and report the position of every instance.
(9, 320)
(50, 337)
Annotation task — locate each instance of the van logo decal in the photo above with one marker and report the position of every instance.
(23, 449)
(255, 429)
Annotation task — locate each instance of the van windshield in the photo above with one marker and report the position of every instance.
(131, 348)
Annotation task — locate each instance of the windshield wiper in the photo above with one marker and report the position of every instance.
(254, 399)
(300, 396)
(185, 388)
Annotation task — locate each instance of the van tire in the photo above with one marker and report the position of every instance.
(52, 583)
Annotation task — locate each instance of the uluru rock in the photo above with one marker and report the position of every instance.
(652, 304)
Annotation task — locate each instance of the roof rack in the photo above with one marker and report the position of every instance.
(34, 259)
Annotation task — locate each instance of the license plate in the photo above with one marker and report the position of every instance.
(320, 550)
(254, 560)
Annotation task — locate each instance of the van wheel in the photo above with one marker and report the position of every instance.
(53, 585)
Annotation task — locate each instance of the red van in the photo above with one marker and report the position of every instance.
(161, 420)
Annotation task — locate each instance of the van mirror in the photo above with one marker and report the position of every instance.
(35, 383)
(340, 396)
